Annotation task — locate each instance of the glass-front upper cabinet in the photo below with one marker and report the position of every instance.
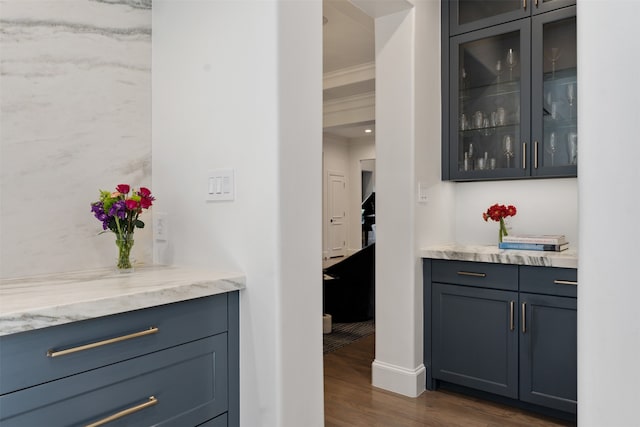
(554, 113)
(489, 111)
(469, 15)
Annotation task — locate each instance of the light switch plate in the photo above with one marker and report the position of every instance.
(220, 185)
(423, 193)
(161, 226)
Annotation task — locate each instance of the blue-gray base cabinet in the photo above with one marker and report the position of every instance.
(505, 330)
(170, 365)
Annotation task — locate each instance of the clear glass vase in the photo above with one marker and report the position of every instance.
(124, 243)
(502, 231)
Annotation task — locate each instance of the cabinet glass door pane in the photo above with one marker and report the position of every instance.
(559, 106)
(473, 10)
(489, 103)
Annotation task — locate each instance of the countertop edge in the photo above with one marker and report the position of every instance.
(120, 299)
(491, 254)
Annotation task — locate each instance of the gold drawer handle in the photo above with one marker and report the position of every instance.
(53, 353)
(152, 401)
(471, 273)
(566, 282)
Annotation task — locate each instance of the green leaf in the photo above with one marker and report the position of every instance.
(139, 223)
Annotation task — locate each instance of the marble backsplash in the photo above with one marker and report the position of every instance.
(75, 117)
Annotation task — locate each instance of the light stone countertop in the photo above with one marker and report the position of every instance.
(491, 253)
(41, 301)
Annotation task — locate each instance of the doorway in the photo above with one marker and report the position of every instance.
(337, 208)
(368, 208)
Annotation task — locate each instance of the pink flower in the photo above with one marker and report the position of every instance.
(123, 188)
(144, 192)
(131, 204)
(146, 202)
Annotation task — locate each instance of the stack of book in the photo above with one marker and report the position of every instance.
(535, 242)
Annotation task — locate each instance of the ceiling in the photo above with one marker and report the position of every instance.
(348, 41)
(348, 36)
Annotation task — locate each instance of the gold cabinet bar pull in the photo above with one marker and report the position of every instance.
(152, 401)
(511, 317)
(471, 273)
(535, 155)
(524, 155)
(566, 282)
(536, 2)
(524, 317)
(54, 353)
(524, 4)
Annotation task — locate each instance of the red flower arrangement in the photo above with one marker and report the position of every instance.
(498, 213)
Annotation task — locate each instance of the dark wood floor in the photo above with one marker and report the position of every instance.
(351, 401)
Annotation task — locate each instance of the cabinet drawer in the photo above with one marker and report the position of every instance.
(549, 281)
(189, 383)
(469, 273)
(25, 361)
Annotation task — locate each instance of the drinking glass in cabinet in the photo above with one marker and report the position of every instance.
(572, 147)
(507, 144)
(559, 118)
(553, 147)
(488, 100)
(571, 98)
(512, 61)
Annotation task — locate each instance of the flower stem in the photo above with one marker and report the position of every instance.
(124, 251)
(502, 231)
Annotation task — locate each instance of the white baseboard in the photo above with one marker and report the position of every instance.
(408, 382)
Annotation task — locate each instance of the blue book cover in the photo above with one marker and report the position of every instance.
(533, 246)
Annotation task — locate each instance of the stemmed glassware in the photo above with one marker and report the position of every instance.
(507, 145)
(553, 147)
(571, 98)
(499, 70)
(512, 61)
(572, 147)
(553, 55)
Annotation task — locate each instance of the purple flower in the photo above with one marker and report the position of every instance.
(98, 211)
(118, 209)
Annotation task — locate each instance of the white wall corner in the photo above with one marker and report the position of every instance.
(408, 382)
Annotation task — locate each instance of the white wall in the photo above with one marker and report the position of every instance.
(548, 206)
(239, 84)
(398, 360)
(75, 118)
(608, 328)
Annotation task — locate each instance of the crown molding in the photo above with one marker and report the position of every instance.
(349, 102)
(350, 109)
(349, 75)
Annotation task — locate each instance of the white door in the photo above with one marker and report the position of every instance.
(337, 198)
